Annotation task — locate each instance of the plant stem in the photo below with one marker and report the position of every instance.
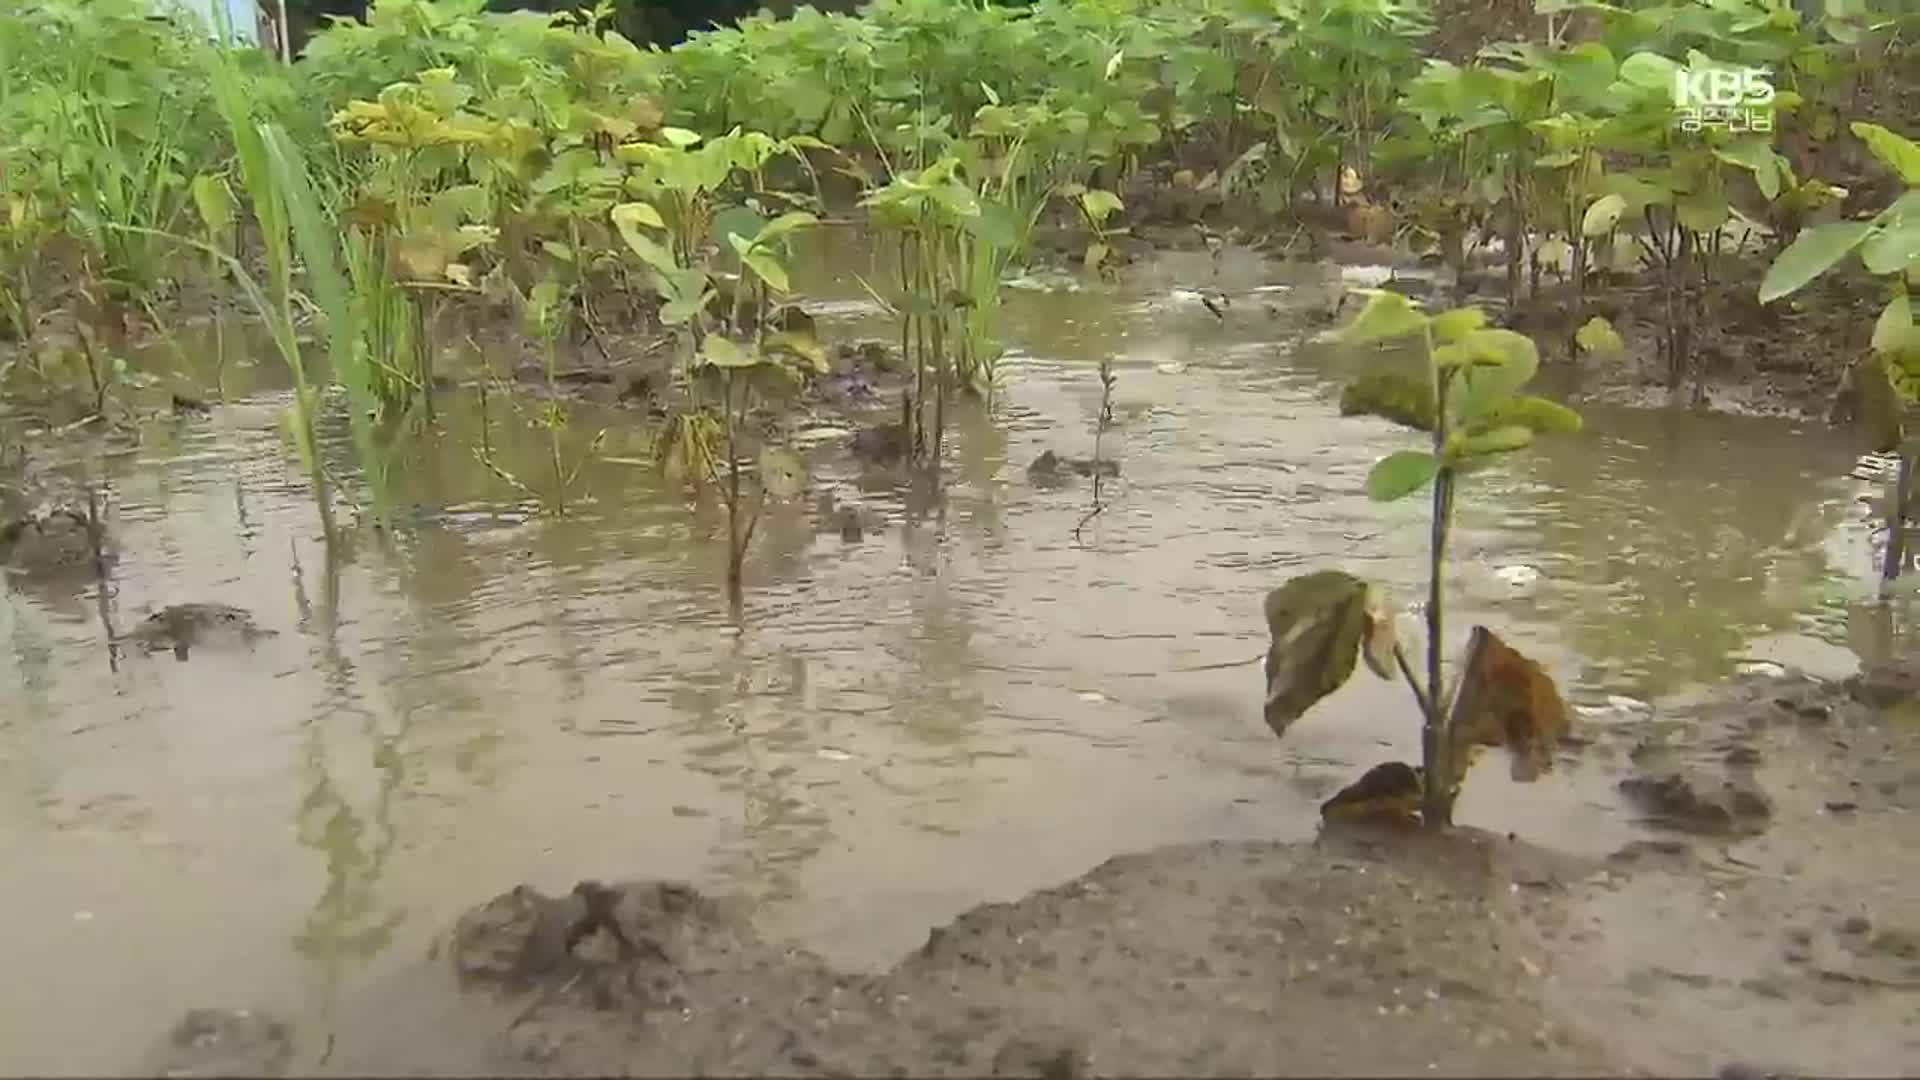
(1437, 804)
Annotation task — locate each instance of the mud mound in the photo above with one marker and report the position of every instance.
(1222, 959)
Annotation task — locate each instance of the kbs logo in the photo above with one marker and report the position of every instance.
(1737, 99)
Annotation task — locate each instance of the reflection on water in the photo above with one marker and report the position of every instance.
(966, 706)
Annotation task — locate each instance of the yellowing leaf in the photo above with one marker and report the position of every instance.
(1378, 646)
(1455, 325)
(1316, 623)
(1603, 215)
(1599, 336)
(1388, 315)
(1536, 414)
(1499, 440)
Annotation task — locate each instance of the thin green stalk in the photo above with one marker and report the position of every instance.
(1437, 808)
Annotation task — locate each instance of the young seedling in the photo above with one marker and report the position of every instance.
(1467, 400)
(1888, 378)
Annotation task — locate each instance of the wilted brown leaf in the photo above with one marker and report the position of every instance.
(1389, 792)
(1507, 700)
(1377, 648)
(1316, 622)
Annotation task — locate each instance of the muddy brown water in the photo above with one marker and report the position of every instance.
(967, 706)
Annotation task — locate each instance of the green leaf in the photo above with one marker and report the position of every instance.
(1893, 331)
(1487, 384)
(1536, 414)
(634, 214)
(1400, 474)
(1603, 215)
(1892, 250)
(1099, 205)
(1400, 398)
(1812, 253)
(1496, 440)
(723, 353)
(680, 137)
(1316, 624)
(1455, 325)
(1900, 154)
(1599, 336)
(1755, 154)
(1388, 315)
(215, 202)
(766, 268)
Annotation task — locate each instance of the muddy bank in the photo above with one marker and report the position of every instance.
(1767, 933)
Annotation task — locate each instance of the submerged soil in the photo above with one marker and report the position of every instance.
(1778, 938)
(973, 695)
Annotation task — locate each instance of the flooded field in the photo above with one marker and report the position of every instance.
(968, 703)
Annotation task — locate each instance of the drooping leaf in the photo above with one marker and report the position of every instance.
(1316, 622)
(1900, 154)
(1400, 398)
(1597, 335)
(214, 201)
(1892, 249)
(1388, 792)
(1377, 648)
(1603, 215)
(1811, 254)
(1400, 474)
(1456, 325)
(1488, 384)
(1893, 331)
(1388, 315)
(724, 353)
(1536, 414)
(1507, 700)
(1498, 440)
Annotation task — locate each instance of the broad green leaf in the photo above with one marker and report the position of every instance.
(1400, 398)
(1388, 315)
(1316, 624)
(1537, 414)
(680, 137)
(788, 222)
(1703, 211)
(1755, 154)
(1599, 336)
(651, 253)
(1486, 385)
(1812, 253)
(1100, 205)
(1900, 154)
(1893, 331)
(1498, 440)
(630, 215)
(1451, 326)
(766, 268)
(723, 353)
(1400, 474)
(1893, 249)
(1603, 215)
(805, 346)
